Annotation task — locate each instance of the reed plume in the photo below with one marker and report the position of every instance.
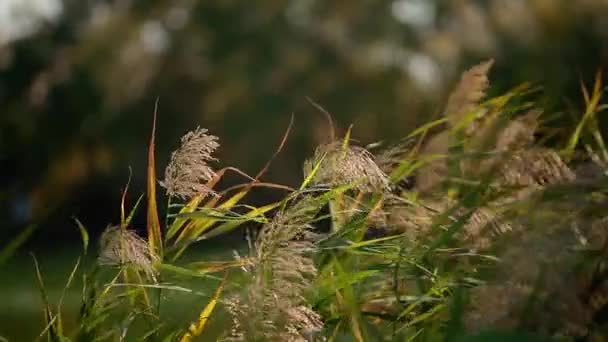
(188, 171)
(342, 165)
(123, 247)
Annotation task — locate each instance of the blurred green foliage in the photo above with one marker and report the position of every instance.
(77, 95)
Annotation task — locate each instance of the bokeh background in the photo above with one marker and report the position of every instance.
(79, 78)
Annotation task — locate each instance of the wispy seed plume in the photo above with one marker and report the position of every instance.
(123, 247)
(188, 172)
(350, 165)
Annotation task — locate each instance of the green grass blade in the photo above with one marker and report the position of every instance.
(187, 272)
(67, 286)
(252, 215)
(180, 221)
(201, 225)
(54, 322)
(84, 235)
(426, 127)
(309, 177)
(9, 250)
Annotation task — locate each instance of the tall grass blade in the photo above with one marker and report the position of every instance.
(249, 216)
(68, 284)
(589, 117)
(9, 250)
(129, 218)
(54, 322)
(123, 199)
(315, 169)
(188, 272)
(154, 231)
(219, 266)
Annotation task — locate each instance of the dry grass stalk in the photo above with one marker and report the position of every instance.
(273, 307)
(188, 172)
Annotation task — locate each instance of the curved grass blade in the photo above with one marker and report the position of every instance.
(9, 250)
(67, 286)
(84, 235)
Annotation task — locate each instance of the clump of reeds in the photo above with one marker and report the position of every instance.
(529, 213)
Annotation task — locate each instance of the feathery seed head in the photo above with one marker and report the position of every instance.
(188, 172)
(350, 165)
(120, 247)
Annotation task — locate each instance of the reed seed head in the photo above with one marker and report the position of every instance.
(341, 165)
(121, 247)
(188, 172)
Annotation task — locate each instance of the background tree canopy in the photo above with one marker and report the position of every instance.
(78, 81)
